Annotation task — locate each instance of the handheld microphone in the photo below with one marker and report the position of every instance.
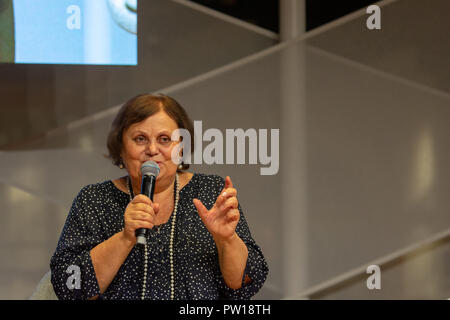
(149, 171)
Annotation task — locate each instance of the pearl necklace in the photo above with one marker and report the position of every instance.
(172, 232)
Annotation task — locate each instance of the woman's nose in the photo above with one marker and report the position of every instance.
(152, 148)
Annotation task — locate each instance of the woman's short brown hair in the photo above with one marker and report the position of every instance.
(140, 108)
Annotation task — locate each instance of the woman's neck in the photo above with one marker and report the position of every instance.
(163, 189)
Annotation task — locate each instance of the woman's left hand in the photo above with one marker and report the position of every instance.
(221, 220)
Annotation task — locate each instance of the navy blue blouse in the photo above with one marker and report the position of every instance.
(97, 214)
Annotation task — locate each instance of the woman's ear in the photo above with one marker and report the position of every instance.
(180, 153)
(121, 164)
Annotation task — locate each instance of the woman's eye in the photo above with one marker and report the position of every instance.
(164, 140)
(139, 139)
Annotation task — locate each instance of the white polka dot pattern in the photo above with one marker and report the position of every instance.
(97, 214)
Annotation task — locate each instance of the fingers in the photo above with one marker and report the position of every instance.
(153, 208)
(229, 209)
(139, 219)
(141, 198)
(137, 224)
(142, 215)
(230, 203)
(233, 215)
(142, 202)
(228, 183)
(141, 212)
(225, 194)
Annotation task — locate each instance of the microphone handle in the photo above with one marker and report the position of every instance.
(147, 188)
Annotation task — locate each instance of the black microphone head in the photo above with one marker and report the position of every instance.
(150, 168)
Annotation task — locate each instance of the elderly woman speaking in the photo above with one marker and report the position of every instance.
(200, 246)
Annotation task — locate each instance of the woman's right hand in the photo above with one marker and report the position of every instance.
(140, 213)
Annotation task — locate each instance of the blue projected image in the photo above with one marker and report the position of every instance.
(100, 32)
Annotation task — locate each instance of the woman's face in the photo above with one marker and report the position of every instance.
(150, 140)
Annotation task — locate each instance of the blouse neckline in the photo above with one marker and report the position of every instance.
(125, 193)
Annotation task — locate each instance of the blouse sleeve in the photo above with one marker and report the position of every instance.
(256, 268)
(72, 272)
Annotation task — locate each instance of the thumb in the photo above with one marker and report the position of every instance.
(202, 211)
(155, 207)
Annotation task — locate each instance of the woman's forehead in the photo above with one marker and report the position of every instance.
(158, 122)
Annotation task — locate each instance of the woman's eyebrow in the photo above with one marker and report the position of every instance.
(139, 131)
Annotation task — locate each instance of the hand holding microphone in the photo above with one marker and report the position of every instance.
(140, 213)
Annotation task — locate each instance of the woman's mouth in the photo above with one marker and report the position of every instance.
(157, 162)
